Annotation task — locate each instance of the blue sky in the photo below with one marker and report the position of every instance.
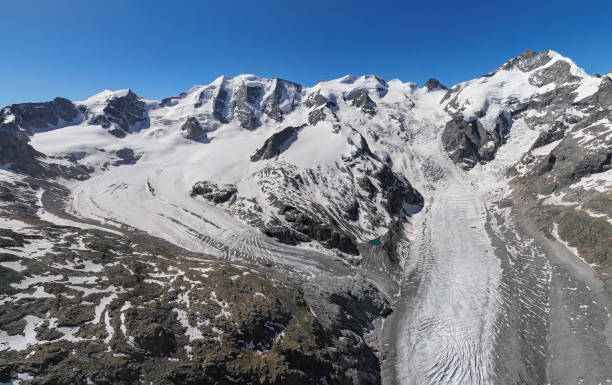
(160, 48)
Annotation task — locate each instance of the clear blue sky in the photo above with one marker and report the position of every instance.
(76, 48)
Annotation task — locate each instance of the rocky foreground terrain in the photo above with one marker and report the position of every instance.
(359, 231)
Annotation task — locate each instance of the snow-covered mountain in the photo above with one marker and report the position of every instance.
(479, 214)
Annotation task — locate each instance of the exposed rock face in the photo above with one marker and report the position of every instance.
(282, 100)
(247, 98)
(214, 192)
(381, 86)
(397, 191)
(122, 114)
(361, 301)
(315, 101)
(316, 116)
(165, 102)
(362, 149)
(19, 121)
(567, 190)
(554, 133)
(245, 101)
(434, 85)
(192, 129)
(573, 158)
(304, 228)
(563, 178)
(318, 104)
(361, 99)
(551, 105)
(17, 154)
(220, 105)
(32, 116)
(602, 98)
(528, 61)
(126, 156)
(468, 142)
(276, 144)
(558, 73)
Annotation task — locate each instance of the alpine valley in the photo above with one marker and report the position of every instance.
(360, 231)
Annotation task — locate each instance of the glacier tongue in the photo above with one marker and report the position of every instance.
(452, 292)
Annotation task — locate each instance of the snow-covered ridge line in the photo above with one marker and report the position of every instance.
(362, 81)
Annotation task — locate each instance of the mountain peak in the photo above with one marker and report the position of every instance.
(531, 60)
(434, 85)
(527, 61)
(108, 94)
(574, 68)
